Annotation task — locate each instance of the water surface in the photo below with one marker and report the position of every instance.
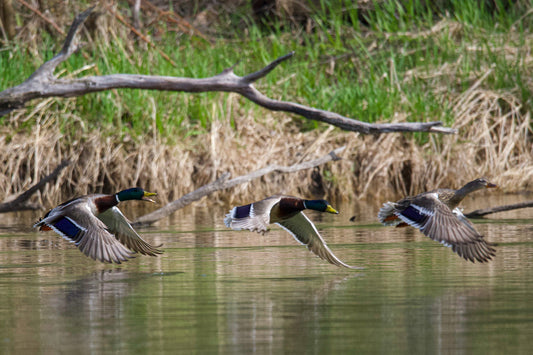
(219, 291)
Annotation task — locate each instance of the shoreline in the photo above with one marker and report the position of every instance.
(385, 166)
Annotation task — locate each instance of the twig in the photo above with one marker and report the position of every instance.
(43, 83)
(140, 35)
(223, 183)
(45, 73)
(21, 201)
(41, 15)
(135, 14)
(483, 212)
(183, 24)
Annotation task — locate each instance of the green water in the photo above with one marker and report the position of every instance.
(220, 291)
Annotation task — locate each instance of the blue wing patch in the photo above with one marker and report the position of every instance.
(414, 215)
(67, 227)
(242, 211)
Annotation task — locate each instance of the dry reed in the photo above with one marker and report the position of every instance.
(494, 140)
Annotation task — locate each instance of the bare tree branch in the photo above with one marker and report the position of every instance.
(21, 201)
(483, 212)
(43, 84)
(223, 183)
(135, 10)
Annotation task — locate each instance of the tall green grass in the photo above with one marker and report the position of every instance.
(357, 64)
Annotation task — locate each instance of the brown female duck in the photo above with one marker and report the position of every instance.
(286, 211)
(436, 214)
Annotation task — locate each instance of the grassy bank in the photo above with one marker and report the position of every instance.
(468, 66)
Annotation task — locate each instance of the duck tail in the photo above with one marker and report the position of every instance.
(229, 217)
(387, 216)
(237, 214)
(41, 224)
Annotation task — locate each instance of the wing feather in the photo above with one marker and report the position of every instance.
(118, 225)
(305, 232)
(448, 227)
(74, 222)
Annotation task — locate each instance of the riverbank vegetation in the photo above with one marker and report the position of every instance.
(469, 66)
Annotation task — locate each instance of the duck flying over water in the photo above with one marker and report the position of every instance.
(98, 228)
(435, 214)
(286, 211)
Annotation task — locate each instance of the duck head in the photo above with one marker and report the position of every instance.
(135, 193)
(319, 205)
(475, 185)
(481, 183)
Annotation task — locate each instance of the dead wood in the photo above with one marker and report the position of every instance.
(21, 201)
(43, 83)
(483, 212)
(223, 183)
(135, 10)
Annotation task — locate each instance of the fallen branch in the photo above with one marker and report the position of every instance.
(483, 212)
(21, 201)
(223, 183)
(43, 83)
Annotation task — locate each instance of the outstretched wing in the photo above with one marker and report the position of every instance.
(86, 231)
(254, 217)
(305, 232)
(449, 228)
(118, 225)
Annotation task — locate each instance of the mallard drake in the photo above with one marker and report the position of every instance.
(436, 214)
(98, 228)
(285, 211)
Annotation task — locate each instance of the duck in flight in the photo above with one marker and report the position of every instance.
(435, 213)
(286, 211)
(98, 228)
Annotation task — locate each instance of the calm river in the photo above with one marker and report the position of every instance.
(219, 291)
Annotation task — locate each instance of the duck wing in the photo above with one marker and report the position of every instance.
(118, 225)
(305, 232)
(75, 222)
(254, 217)
(452, 229)
(480, 249)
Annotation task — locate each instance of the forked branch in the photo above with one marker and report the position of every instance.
(223, 183)
(43, 83)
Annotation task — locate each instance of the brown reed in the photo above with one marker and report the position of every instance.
(494, 140)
